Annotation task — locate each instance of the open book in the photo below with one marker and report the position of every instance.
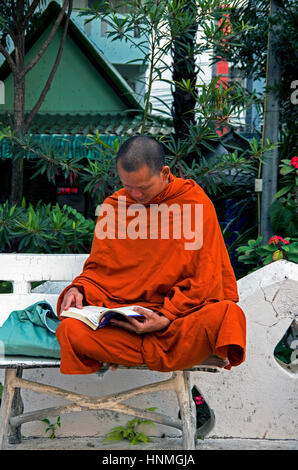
(97, 317)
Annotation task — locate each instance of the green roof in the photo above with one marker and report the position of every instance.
(116, 124)
(72, 130)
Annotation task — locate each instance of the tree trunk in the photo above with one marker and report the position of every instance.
(17, 174)
(19, 72)
(184, 67)
(271, 132)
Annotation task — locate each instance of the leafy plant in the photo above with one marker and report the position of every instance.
(100, 175)
(250, 52)
(258, 255)
(130, 431)
(289, 176)
(166, 28)
(8, 216)
(284, 216)
(283, 211)
(44, 229)
(5, 287)
(52, 427)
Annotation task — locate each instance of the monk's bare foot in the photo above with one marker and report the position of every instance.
(110, 366)
(214, 360)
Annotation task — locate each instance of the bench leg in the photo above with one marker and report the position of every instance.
(17, 408)
(187, 409)
(10, 406)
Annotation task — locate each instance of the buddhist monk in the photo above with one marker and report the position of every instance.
(158, 245)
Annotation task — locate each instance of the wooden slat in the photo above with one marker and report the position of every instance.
(36, 362)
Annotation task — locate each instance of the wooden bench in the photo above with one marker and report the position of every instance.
(22, 270)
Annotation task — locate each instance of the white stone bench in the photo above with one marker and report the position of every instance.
(22, 270)
(259, 398)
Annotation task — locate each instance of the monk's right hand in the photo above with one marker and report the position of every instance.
(72, 298)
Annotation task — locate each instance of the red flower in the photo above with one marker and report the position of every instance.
(294, 162)
(276, 239)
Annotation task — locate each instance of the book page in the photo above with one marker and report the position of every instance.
(87, 310)
(91, 312)
(128, 311)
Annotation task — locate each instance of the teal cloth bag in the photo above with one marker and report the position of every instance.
(31, 332)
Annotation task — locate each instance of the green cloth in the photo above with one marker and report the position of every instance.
(31, 332)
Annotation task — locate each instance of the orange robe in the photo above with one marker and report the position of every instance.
(195, 288)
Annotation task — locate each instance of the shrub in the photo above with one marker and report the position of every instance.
(258, 255)
(44, 229)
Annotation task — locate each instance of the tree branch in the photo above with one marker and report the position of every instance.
(7, 56)
(50, 37)
(30, 12)
(53, 71)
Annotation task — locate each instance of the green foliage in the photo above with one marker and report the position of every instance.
(5, 287)
(289, 178)
(283, 211)
(249, 54)
(46, 157)
(130, 432)
(284, 222)
(100, 175)
(284, 217)
(52, 427)
(7, 19)
(44, 229)
(165, 27)
(8, 217)
(258, 255)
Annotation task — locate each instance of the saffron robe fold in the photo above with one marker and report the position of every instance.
(138, 259)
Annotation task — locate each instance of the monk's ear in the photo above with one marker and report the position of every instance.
(165, 171)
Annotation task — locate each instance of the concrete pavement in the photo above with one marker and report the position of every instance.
(92, 443)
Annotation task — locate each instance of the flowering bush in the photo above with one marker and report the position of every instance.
(259, 255)
(294, 162)
(276, 239)
(283, 211)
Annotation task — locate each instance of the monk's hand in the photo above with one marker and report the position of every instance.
(72, 298)
(149, 323)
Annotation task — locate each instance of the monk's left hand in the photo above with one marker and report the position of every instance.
(150, 322)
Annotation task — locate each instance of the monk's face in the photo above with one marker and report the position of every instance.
(142, 184)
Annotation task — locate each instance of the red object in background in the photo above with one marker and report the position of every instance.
(67, 191)
(294, 162)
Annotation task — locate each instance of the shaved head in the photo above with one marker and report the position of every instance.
(139, 151)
